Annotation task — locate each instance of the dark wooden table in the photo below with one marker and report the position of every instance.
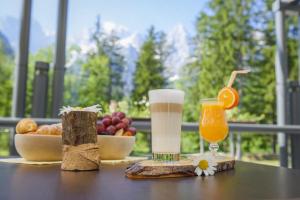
(247, 181)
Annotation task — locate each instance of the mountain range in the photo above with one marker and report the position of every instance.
(10, 27)
(130, 43)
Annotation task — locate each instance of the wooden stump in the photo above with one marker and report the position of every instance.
(80, 149)
(79, 127)
(182, 168)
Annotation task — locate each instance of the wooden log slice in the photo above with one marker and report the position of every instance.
(80, 149)
(182, 168)
(79, 127)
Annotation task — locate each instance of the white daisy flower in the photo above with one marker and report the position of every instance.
(205, 164)
(66, 109)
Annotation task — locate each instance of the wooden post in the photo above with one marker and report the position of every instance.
(80, 149)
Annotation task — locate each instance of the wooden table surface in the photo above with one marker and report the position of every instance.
(247, 181)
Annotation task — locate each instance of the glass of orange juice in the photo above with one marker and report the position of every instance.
(213, 125)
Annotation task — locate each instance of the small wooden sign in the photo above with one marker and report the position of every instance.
(182, 168)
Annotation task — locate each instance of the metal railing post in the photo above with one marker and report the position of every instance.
(12, 149)
(231, 143)
(40, 90)
(294, 91)
(149, 138)
(201, 144)
(238, 147)
(281, 68)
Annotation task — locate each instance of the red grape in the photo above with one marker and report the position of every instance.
(121, 115)
(132, 130)
(121, 125)
(111, 130)
(106, 122)
(114, 114)
(115, 120)
(106, 116)
(100, 127)
(110, 124)
(126, 121)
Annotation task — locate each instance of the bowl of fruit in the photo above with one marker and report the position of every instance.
(38, 143)
(116, 136)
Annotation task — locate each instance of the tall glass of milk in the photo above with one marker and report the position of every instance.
(166, 118)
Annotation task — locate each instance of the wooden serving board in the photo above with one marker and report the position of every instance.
(182, 168)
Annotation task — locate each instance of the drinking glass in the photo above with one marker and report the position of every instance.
(166, 118)
(213, 125)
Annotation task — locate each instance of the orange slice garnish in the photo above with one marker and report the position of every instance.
(229, 96)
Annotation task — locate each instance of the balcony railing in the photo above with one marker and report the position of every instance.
(145, 126)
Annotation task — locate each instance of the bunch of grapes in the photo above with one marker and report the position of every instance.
(116, 124)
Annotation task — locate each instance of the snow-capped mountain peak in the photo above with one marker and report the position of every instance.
(135, 40)
(113, 28)
(178, 38)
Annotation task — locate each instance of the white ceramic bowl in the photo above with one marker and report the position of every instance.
(115, 147)
(35, 147)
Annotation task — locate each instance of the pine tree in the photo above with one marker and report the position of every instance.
(164, 50)
(261, 81)
(225, 43)
(258, 92)
(73, 80)
(116, 63)
(95, 81)
(103, 70)
(149, 72)
(189, 78)
(95, 73)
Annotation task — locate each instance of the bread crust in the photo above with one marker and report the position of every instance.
(26, 125)
(29, 126)
(53, 129)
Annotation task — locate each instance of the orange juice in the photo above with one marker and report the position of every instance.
(213, 124)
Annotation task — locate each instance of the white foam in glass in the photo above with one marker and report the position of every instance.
(166, 96)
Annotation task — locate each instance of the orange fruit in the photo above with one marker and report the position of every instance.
(229, 96)
(237, 97)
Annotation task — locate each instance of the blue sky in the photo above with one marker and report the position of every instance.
(137, 15)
